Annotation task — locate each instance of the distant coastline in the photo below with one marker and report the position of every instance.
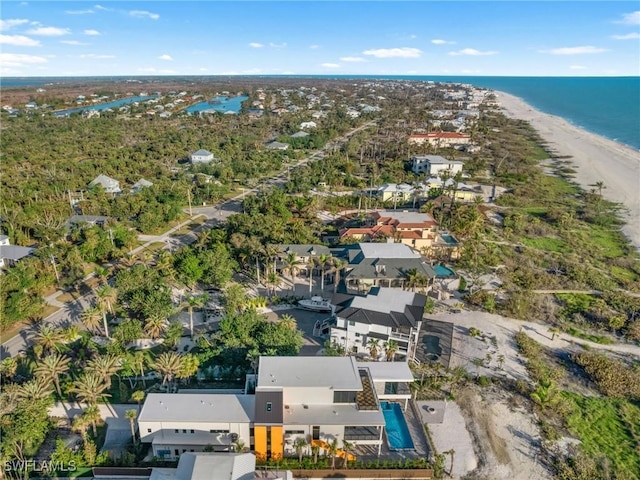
(597, 159)
(606, 106)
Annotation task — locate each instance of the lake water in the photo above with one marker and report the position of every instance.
(102, 106)
(219, 104)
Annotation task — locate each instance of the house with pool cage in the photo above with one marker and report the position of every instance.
(318, 399)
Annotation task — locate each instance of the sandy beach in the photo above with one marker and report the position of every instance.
(595, 158)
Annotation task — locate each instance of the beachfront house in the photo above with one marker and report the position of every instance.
(382, 315)
(277, 146)
(435, 165)
(440, 139)
(141, 184)
(414, 229)
(389, 265)
(311, 398)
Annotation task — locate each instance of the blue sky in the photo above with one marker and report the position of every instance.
(59, 38)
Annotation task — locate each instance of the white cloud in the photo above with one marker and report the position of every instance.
(439, 41)
(14, 22)
(314, 47)
(91, 32)
(256, 45)
(49, 31)
(473, 52)
(404, 52)
(18, 41)
(577, 67)
(72, 42)
(19, 59)
(78, 12)
(586, 49)
(628, 36)
(165, 57)
(96, 55)
(632, 18)
(352, 59)
(144, 14)
(330, 65)
(278, 45)
(100, 7)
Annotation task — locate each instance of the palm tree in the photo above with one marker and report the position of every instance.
(138, 359)
(105, 297)
(132, 415)
(315, 451)
(203, 239)
(292, 264)
(322, 261)
(333, 451)
(48, 337)
(105, 366)
(300, 444)
(8, 368)
(288, 321)
(52, 367)
(101, 273)
(37, 389)
(346, 447)
(390, 349)
(91, 415)
(338, 264)
(239, 446)
(168, 364)
(89, 387)
(195, 301)
(80, 425)
(138, 396)
(311, 266)
(273, 280)
(91, 318)
(154, 326)
(373, 345)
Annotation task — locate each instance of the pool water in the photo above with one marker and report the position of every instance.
(398, 435)
(443, 272)
(450, 239)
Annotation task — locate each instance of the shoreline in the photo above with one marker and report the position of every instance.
(594, 157)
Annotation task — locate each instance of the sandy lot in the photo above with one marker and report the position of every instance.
(505, 439)
(595, 158)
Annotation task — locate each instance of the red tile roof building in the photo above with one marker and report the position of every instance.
(440, 139)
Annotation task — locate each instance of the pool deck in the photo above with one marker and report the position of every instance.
(441, 330)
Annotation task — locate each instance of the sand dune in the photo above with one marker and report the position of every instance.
(595, 158)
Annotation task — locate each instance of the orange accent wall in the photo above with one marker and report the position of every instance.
(260, 441)
(277, 447)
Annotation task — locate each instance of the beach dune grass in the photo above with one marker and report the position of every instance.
(548, 244)
(609, 427)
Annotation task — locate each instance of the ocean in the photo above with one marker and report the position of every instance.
(607, 106)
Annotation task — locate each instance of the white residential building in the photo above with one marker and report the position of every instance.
(110, 185)
(435, 165)
(201, 156)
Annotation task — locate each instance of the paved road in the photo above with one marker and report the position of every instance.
(70, 313)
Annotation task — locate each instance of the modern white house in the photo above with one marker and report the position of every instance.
(209, 466)
(435, 165)
(383, 314)
(319, 399)
(110, 185)
(140, 184)
(201, 156)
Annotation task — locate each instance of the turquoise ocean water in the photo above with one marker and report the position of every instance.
(607, 106)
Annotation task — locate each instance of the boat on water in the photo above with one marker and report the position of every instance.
(315, 304)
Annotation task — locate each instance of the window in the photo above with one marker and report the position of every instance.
(218, 431)
(294, 432)
(193, 431)
(316, 433)
(177, 452)
(184, 431)
(177, 431)
(269, 406)
(352, 323)
(344, 397)
(148, 430)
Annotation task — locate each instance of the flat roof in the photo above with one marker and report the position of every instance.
(388, 371)
(387, 250)
(340, 373)
(404, 216)
(335, 414)
(169, 437)
(179, 407)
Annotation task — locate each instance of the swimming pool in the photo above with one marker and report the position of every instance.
(444, 272)
(398, 435)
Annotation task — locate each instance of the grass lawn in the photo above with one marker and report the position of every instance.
(623, 274)
(609, 427)
(547, 243)
(68, 297)
(610, 242)
(79, 472)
